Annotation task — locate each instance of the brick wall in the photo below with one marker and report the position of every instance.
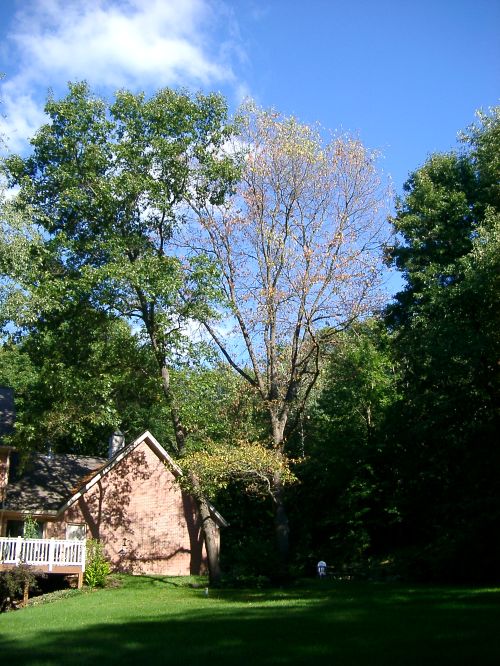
(147, 525)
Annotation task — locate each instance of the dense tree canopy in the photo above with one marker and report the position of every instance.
(139, 219)
(106, 184)
(341, 445)
(101, 195)
(77, 378)
(446, 337)
(403, 434)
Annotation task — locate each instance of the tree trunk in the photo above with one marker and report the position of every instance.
(208, 525)
(179, 431)
(281, 525)
(210, 532)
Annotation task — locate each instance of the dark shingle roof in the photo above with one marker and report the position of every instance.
(47, 482)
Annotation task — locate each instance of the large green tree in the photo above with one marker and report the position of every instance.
(446, 327)
(100, 197)
(77, 377)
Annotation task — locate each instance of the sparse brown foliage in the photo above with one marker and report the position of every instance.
(298, 249)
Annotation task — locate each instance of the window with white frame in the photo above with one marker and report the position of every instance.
(76, 531)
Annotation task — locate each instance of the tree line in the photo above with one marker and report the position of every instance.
(217, 281)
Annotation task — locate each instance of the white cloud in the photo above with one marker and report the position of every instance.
(149, 42)
(138, 44)
(22, 117)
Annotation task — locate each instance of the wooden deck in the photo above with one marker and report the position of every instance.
(44, 555)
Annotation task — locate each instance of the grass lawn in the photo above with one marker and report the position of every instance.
(155, 620)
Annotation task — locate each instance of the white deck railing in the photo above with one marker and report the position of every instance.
(46, 553)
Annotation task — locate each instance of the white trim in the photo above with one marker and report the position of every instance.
(217, 515)
(153, 444)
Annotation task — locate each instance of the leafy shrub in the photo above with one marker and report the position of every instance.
(97, 567)
(31, 528)
(15, 584)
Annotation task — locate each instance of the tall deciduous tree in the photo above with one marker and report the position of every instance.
(107, 186)
(446, 333)
(298, 250)
(344, 470)
(77, 377)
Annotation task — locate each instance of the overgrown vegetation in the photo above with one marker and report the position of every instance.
(31, 528)
(385, 418)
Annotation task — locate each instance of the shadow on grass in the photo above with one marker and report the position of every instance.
(330, 624)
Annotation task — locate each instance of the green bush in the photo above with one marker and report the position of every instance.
(97, 567)
(15, 584)
(31, 528)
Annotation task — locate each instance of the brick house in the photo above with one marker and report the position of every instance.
(130, 501)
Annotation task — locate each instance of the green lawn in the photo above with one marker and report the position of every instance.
(162, 621)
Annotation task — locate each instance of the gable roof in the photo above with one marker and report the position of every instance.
(51, 484)
(158, 449)
(46, 481)
(118, 457)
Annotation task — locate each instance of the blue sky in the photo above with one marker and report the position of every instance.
(406, 76)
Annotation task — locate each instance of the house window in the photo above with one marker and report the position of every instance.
(76, 531)
(15, 528)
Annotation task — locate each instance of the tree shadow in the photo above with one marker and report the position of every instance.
(342, 628)
(116, 511)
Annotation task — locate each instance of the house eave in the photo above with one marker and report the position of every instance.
(34, 513)
(217, 516)
(118, 457)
